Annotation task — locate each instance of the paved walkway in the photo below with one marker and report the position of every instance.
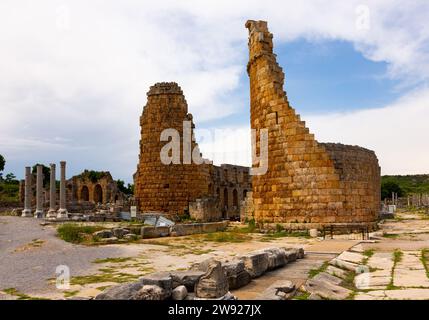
(297, 272)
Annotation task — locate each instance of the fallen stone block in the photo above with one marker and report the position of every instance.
(237, 275)
(103, 234)
(148, 232)
(179, 293)
(151, 292)
(124, 291)
(255, 263)
(344, 264)
(213, 284)
(326, 277)
(340, 273)
(131, 236)
(276, 258)
(160, 279)
(109, 240)
(352, 257)
(120, 232)
(188, 278)
(326, 290)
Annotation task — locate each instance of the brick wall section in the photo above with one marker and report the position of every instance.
(305, 182)
(159, 187)
(174, 188)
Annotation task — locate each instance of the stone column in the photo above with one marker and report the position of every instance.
(27, 197)
(39, 193)
(62, 211)
(52, 213)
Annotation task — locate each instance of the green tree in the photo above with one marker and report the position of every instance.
(10, 178)
(388, 187)
(128, 190)
(46, 172)
(2, 164)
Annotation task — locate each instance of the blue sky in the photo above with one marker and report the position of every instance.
(74, 75)
(323, 77)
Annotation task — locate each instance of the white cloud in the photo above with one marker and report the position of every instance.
(74, 75)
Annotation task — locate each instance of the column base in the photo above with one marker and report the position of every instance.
(26, 213)
(62, 214)
(51, 214)
(38, 214)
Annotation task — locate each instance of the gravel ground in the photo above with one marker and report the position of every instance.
(27, 268)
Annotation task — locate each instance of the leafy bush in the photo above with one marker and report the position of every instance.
(75, 233)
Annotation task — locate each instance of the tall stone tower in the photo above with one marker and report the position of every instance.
(160, 187)
(307, 183)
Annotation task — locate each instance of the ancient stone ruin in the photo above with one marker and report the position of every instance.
(308, 183)
(204, 191)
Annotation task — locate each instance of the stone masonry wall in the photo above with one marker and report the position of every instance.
(306, 182)
(160, 187)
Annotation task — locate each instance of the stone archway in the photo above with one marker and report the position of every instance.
(98, 194)
(225, 198)
(235, 198)
(84, 194)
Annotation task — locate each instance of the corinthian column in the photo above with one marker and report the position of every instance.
(27, 194)
(39, 193)
(62, 211)
(52, 213)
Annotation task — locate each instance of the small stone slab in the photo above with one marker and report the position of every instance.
(326, 277)
(343, 264)
(326, 290)
(340, 273)
(352, 257)
(408, 294)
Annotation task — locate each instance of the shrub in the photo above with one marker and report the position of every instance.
(74, 233)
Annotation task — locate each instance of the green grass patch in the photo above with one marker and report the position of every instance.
(113, 260)
(301, 295)
(425, 260)
(68, 294)
(226, 237)
(396, 257)
(104, 277)
(77, 233)
(314, 272)
(20, 295)
(390, 235)
(284, 233)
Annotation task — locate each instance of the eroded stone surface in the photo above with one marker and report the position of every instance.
(213, 284)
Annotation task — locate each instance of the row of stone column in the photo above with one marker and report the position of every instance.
(52, 212)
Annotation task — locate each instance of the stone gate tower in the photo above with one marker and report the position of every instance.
(308, 184)
(160, 187)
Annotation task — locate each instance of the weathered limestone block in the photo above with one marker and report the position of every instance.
(179, 293)
(340, 273)
(151, 292)
(326, 290)
(148, 232)
(237, 275)
(213, 284)
(256, 263)
(103, 234)
(160, 279)
(279, 290)
(110, 240)
(326, 277)
(124, 291)
(120, 232)
(344, 264)
(188, 278)
(276, 258)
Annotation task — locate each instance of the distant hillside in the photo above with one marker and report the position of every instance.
(411, 183)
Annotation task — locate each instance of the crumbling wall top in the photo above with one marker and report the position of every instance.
(165, 88)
